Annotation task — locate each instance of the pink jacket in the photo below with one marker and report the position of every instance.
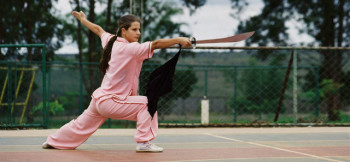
(122, 75)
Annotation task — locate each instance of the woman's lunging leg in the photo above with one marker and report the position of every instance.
(134, 108)
(147, 127)
(77, 131)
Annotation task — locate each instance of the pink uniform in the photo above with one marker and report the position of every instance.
(116, 98)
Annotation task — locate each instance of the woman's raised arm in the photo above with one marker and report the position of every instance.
(91, 26)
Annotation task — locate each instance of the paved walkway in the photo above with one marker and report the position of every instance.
(189, 144)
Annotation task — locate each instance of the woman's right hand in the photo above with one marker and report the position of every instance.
(185, 42)
(79, 15)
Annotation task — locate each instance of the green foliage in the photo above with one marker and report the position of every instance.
(270, 26)
(345, 91)
(68, 100)
(308, 96)
(321, 22)
(26, 22)
(259, 89)
(329, 87)
(246, 106)
(55, 107)
(194, 4)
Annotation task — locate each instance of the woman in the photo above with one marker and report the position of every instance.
(117, 98)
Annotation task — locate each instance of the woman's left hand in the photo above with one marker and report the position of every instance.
(79, 15)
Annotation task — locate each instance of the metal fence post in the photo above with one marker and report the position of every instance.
(48, 88)
(9, 92)
(260, 96)
(295, 87)
(206, 83)
(317, 92)
(205, 111)
(15, 93)
(46, 112)
(205, 102)
(235, 95)
(81, 108)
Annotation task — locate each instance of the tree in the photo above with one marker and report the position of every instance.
(193, 5)
(326, 21)
(29, 22)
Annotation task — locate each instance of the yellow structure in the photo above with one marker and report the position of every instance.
(25, 103)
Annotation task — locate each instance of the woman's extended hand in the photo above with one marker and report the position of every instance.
(79, 15)
(185, 42)
(91, 26)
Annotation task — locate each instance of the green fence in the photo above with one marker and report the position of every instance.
(242, 87)
(19, 81)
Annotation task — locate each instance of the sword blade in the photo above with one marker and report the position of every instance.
(235, 38)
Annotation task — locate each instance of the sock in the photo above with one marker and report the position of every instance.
(142, 143)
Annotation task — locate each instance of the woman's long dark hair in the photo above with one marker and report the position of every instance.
(124, 22)
(106, 55)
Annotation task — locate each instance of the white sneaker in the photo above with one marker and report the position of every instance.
(45, 145)
(148, 147)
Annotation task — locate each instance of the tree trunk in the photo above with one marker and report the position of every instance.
(341, 24)
(29, 27)
(80, 54)
(29, 40)
(79, 35)
(332, 60)
(108, 16)
(91, 49)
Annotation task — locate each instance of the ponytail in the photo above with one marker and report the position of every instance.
(106, 55)
(124, 22)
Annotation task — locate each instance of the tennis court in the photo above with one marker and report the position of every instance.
(189, 144)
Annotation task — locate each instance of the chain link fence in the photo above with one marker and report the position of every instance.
(242, 86)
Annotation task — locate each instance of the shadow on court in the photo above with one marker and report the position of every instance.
(189, 144)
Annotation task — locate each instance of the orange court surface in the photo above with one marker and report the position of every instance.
(293, 144)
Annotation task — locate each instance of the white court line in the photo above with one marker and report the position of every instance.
(276, 148)
(263, 158)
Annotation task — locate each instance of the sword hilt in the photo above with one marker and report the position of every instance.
(193, 41)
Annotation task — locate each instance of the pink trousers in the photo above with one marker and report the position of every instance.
(133, 108)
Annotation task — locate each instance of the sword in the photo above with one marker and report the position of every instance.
(235, 38)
